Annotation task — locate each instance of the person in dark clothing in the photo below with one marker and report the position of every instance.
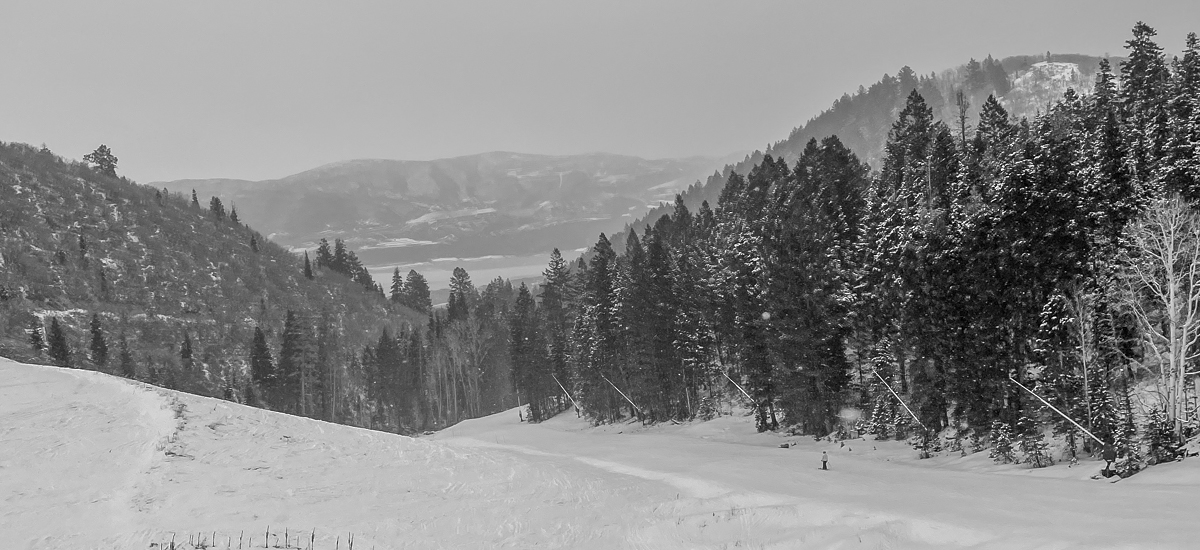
(1110, 456)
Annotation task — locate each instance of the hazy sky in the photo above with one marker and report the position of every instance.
(262, 89)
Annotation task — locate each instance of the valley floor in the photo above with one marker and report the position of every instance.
(92, 461)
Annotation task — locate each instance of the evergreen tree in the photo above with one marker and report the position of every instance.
(103, 283)
(416, 292)
(1179, 170)
(233, 216)
(996, 76)
(397, 295)
(558, 301)
(262, 366)
(99, 347)
(103, 161)
(185, 352)
(216, 209)
(462, 294)
(36, 341)
(340, 260)
(324, 256)
(976, 78)
(195, 200)
(327, 380)
(1143, 94)
(57, 340)
(596, 337)
(128, 370)
(1032, 441)
(1160, 438)
(1003, 451)
(297, 358)
(308, 272)
(531, 371)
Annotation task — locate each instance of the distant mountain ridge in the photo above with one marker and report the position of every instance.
(489, 203)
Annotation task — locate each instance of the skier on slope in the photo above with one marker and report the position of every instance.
(1110, 456)
(824, 460)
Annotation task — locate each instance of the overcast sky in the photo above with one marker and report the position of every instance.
(263, 89)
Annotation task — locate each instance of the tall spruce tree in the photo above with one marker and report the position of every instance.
(99, 347)
(397, 289)
(128, 369)
(324, 255)
(462, 294)
(186, 354)
(60, 352)
(36, 341)
(558, 301)
(262, 366)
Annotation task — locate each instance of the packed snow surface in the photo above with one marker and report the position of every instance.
(93, 461)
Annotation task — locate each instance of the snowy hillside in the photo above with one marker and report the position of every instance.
(1035, 89)
(92, 461)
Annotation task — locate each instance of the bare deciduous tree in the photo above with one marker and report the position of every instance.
(1161, 276)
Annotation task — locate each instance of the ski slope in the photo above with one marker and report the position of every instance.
(93, 461)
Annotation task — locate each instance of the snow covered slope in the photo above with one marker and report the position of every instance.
(1037, 88)
(92, 461)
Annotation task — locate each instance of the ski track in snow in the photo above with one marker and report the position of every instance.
(93, 461)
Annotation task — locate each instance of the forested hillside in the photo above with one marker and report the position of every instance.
(1024, 86)
(101, 273)
(1058, 251)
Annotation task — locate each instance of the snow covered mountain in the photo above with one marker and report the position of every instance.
(93, 461)
(493, 203)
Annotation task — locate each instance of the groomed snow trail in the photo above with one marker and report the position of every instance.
(92, 461)
(739, 489)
